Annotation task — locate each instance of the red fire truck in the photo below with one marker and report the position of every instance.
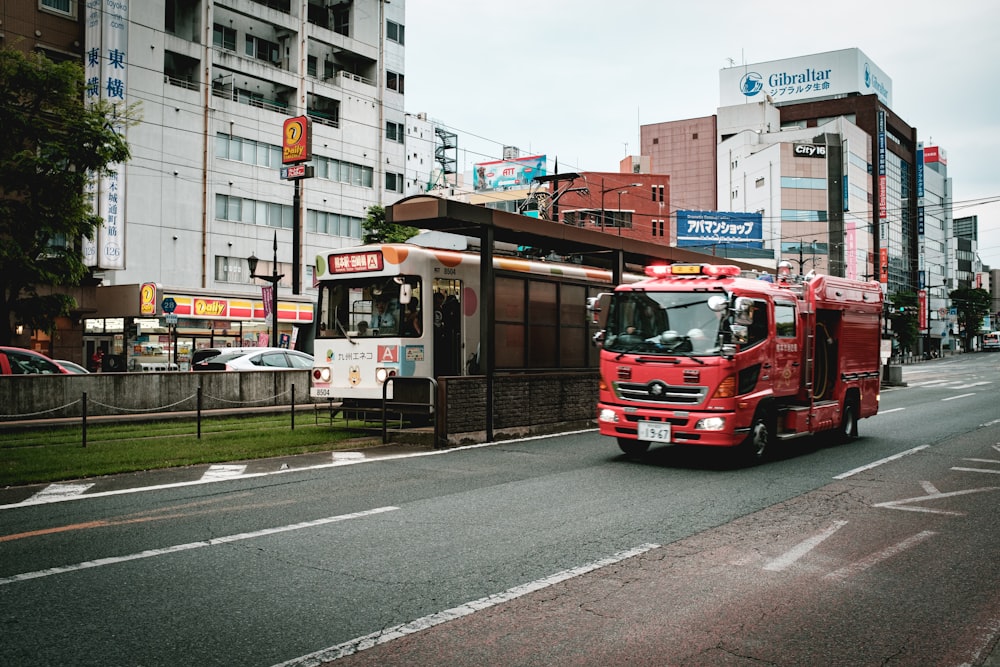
(704, 355)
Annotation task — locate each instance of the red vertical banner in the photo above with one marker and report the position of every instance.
(883, 263)
(922, 322)
(267, 294)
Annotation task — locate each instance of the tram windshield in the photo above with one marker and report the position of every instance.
(370, 307)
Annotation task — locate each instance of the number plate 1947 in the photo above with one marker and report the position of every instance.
(654, 431)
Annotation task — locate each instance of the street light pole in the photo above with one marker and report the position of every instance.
(274, 278)
(604, 191)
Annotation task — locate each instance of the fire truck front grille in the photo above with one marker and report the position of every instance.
(660, 392)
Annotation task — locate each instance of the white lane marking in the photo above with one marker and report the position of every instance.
(358, 644)
(885, 412)
(934, 495)
(802, 548)
(151, 553)
(347, 456)
(860, 566)
(334, 464)
(952, 398)
(983, 460)
(217, 473)
(991, 472)
(875, 464)
(929, 488)
(56, 492)
(971, 384)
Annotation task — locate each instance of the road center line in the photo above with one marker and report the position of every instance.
(802, 548)
(388, 634)
(875, 464)
(101, 562)
(952, 398)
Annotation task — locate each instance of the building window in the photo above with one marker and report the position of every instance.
(803, 183)
(66, 8)
(394, 81)
(333, 224)
(223, 37)
(394, 131)
(395, 32)
(342, 19)
(393, 182)
(311, 62)
(262, 49)
(252, 212)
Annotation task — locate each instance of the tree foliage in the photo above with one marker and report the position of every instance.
(376, 229)
(971, 305)
(52, 146)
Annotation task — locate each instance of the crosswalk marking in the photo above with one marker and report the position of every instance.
(55, 492)
(217, 472)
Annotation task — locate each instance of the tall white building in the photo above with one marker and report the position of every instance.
(216, 80)
(812, 187)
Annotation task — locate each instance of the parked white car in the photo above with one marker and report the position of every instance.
(254, 359)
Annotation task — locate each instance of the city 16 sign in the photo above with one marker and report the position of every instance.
(296, 140)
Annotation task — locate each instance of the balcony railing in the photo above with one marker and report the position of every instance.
(185, 82)
(259, 102)
(323, 118)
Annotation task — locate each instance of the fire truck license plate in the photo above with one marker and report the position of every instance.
(654, 431)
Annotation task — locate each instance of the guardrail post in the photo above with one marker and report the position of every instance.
(199, 412)
(84, 411)
(293, 406)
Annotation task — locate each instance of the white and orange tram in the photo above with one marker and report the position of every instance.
(414, 311)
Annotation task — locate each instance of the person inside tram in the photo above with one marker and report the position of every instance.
(383, 321)
(411, 319)
(362, 328)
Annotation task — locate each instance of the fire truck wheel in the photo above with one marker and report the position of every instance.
(849, 424)
(755, 448)
(633, 447)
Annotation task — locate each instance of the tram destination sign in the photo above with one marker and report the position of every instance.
(355, 262)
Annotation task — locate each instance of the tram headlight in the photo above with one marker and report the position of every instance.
(382, 374)
(321, 374)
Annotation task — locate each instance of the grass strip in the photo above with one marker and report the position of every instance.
(54, 454)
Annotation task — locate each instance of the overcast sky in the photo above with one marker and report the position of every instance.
(574, 79)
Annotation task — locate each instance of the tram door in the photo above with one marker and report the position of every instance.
(447, 327)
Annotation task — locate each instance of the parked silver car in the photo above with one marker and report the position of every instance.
(254, 359)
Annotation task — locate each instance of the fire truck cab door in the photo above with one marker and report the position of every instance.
(787, 371)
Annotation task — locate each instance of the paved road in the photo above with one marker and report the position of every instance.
(553, 550)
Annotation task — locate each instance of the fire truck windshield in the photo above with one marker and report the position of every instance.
(666, 323)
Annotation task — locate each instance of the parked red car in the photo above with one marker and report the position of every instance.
(19, 361)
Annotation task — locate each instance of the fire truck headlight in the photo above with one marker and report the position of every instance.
(608, 416)
(321, 374)
(710, 424)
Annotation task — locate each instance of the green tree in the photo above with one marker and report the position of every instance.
(972, 305)
(376, 229)
(51, 147)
